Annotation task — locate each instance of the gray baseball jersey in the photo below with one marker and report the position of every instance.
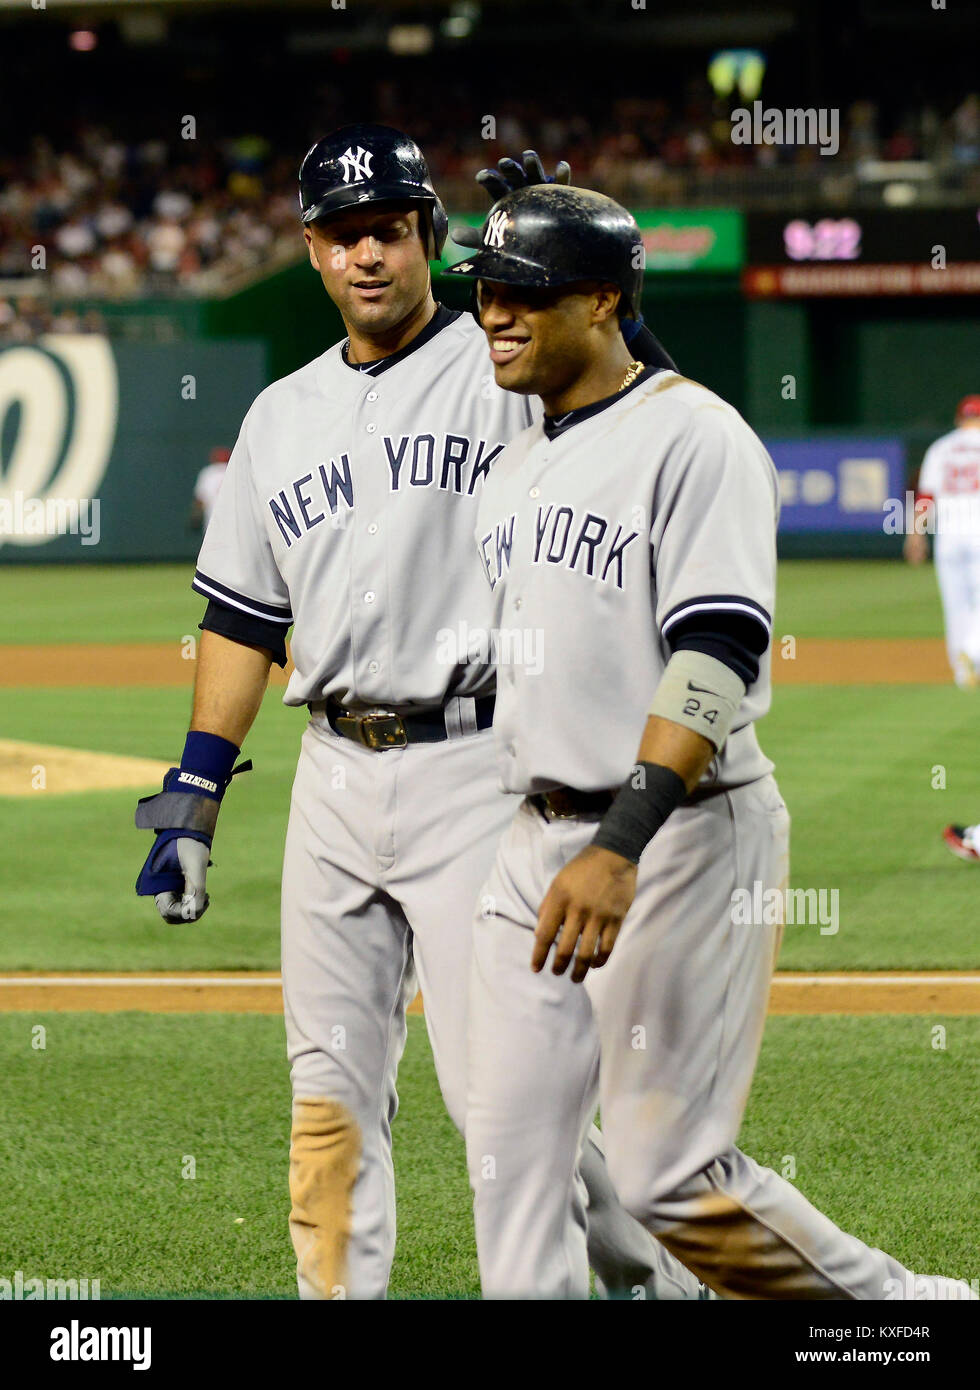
(599, 541)
(347, 511)
(654, 505)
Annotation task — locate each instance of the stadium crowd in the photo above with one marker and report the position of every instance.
(106, 218)
(109, 217)
(24, 318)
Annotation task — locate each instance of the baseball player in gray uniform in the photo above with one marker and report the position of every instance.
(631, 532)
(347, 512)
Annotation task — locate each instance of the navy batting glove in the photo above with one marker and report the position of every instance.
(175, 873)
(184, 815)
(509, 175)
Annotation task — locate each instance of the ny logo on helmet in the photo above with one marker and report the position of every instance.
(357, 164)
(494, 234)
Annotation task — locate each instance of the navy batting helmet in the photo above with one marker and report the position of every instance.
(369, 164)
(551, 234)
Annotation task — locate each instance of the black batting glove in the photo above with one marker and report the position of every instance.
(509, 175)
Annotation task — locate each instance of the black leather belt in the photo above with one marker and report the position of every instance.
(565, 803)
(381, 729)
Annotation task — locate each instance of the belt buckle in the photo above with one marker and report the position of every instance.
(553, 813)
(572, 805)
(381, 731)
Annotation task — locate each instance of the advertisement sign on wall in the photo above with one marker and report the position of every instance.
(692, 239)
(837, 484)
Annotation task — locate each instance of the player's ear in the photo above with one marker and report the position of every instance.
(605, 302)
(311, 246)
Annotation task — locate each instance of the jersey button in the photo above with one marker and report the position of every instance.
(370, 596)
(535, 492)
(371, 396)
(373, 529)
(371, 428)
(374, 667)
(518, 602)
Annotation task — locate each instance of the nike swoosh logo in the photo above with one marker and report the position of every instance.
(703, 690)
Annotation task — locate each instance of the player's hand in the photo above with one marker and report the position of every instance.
(183, 816)
(187, 861)
(584, 909)
(915, 548)
(509, 175)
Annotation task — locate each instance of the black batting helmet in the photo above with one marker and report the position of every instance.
(369, 164)
(551, 234)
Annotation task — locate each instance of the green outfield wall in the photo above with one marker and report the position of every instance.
(129, 419)
(102, 441)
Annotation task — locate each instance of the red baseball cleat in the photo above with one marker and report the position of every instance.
(956, 844)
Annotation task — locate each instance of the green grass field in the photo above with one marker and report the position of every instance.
(97, 1124)
(155, 603)
(100, 1125)
(855, 765)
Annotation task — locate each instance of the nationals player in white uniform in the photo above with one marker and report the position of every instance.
(632, 534)
(347, 512)
(949, 486)
(207, 487)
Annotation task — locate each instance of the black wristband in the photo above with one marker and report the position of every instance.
(642, 805)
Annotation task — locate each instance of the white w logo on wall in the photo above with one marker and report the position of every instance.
(59, 403)
(496, 224)
(357, 164)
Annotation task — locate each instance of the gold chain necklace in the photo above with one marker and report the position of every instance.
(632, 372)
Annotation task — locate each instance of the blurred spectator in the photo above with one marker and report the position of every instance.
(862, 131)
(165, 241)
(966, 130)
(118, 273)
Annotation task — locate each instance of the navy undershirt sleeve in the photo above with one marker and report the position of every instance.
(733, 638)
(243, 628)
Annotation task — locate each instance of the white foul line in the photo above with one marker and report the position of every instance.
(184, 981)
(953, 978)
(231, 981)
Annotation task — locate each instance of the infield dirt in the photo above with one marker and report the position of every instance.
(881, 992)
(807, 661)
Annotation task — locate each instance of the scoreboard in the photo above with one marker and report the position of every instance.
(904, 251)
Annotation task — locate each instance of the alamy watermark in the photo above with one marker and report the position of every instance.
(51, 516)
(929, 516)
(496, 646)
(811, 125)
(28, 1290)
(927, 1288)
(760, 906)
(80, 1343)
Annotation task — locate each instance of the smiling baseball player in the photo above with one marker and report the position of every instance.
(347, 512)
(632, 532)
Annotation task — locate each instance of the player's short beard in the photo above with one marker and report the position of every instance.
(375, 321)
(554, 371)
